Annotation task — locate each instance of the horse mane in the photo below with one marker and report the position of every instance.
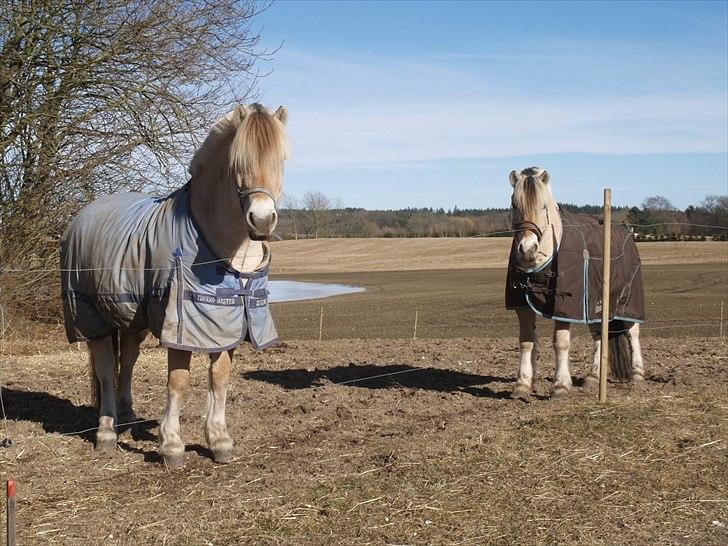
(259, 143)
(529, 194)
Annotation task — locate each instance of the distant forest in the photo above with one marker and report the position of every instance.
(316, 215)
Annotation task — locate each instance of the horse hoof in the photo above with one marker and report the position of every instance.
(560, 391)
(105, 446)
(174, 462)
(522, 393)
(223, 456)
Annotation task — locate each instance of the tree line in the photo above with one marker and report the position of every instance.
(316, 215)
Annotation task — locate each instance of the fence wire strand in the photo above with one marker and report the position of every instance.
(3, 325)
(342, 383)
(18, 271)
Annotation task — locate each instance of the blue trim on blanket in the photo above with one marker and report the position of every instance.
(573, 321)
(626, 319)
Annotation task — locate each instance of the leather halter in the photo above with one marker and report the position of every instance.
(244, 194)
(529, 226)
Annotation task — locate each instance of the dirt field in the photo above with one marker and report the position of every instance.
(425, 254)
(365, 438)
(433, 454)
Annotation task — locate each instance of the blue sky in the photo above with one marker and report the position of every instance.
(396, 104)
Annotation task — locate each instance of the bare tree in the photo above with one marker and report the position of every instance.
(317, 206)
(97, 96)
(659, 210)
(290, 217)
(657, 202)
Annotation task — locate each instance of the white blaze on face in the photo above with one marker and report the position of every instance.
(261, 215)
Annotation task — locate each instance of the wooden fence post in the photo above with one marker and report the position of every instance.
(415, 333)
(10, 488)
(606, 274)
(321, 323)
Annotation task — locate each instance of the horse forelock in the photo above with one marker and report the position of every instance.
(530, 195)
(258, 148)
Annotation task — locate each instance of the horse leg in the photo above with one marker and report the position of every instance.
(527, 355)
(218, 439)
(592, 380)
(562, 343)
(103, 360)
(178, 382)
(129, 352)
(638, 370)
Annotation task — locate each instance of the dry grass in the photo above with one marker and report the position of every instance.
(425, 254)
(433, 454)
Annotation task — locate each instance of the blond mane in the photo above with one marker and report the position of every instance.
(258, 148)
(530, 195)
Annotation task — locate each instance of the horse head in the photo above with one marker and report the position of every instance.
(535, 218)
(257, 154)
(242, 161)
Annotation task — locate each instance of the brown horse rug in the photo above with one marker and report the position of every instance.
(568, 287)
(131, 261)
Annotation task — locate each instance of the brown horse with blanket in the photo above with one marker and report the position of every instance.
(555, 270)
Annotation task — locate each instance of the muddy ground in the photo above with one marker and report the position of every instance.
(433, 453)
(392, 441)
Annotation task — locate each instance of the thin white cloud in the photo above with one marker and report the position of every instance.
(366, 112)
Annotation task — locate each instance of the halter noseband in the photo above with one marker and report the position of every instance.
(529, 226)
(243, 194)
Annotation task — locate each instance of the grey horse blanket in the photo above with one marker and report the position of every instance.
(569, 286)
(131, 261)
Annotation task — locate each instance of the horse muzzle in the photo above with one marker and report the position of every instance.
(259, 209)
(261, 226)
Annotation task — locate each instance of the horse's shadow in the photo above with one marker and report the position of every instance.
(376, 376)
(58, 415)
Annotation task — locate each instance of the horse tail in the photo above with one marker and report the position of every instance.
(620, 352)
(93, 378)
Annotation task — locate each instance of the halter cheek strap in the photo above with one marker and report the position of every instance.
(243, 194)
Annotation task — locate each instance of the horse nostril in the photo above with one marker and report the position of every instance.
(274, 218)
(251, 221)
(520, 248)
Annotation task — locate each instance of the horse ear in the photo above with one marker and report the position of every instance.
(545, 177)
(281, 115)
(513, 178)
(240, 112)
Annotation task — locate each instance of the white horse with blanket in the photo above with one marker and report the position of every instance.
(191, 267)
(555, 270)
